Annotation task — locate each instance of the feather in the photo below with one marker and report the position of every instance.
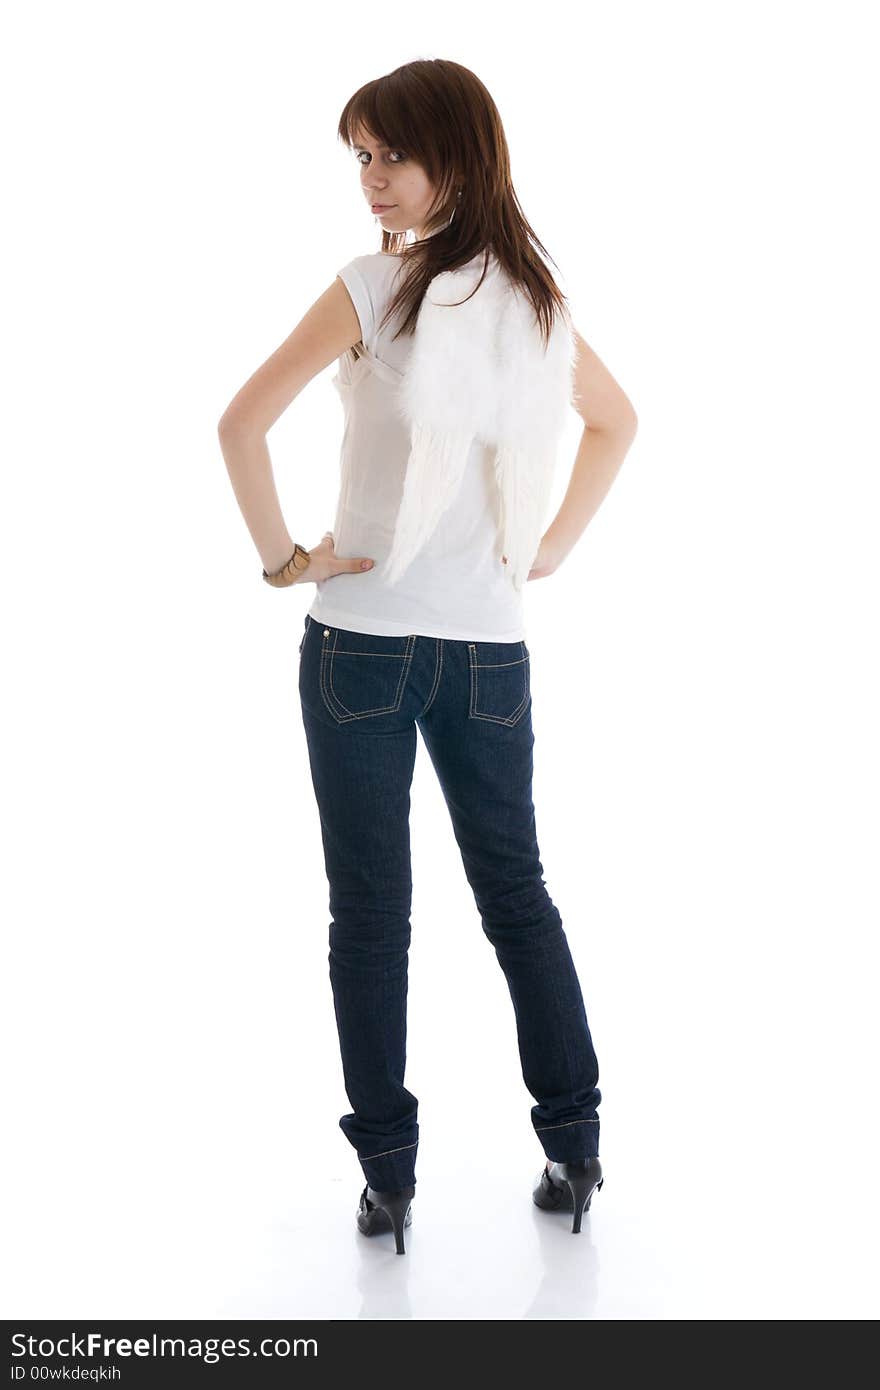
(479, 370)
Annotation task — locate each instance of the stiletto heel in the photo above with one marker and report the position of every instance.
(380, 1210)
(569, 1187)
(582, 1187)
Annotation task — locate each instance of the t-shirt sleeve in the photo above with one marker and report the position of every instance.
(360, 286)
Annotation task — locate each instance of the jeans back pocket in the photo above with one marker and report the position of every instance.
(500, 686)
(363, 674)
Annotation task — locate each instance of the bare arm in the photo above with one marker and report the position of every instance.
(323, 334)
(610, 426)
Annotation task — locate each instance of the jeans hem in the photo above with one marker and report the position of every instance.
(571, 1141)
(388, 1171)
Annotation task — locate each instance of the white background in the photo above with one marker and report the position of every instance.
(704, 670)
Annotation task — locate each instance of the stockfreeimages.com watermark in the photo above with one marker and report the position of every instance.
(95, 1345)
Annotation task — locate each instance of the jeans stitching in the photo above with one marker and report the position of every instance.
(326, 680)
(436, 685)
(365, 1157)
(565, 1124)
(475, 666)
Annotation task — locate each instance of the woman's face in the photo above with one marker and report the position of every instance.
(392, 178)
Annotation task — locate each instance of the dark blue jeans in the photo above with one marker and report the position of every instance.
(362, 698)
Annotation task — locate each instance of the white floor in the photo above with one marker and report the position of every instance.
(663, 1240)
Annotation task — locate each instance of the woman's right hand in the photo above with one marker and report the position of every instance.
(324, 563)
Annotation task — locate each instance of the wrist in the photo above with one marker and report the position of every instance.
(552, 551)
(291, 571)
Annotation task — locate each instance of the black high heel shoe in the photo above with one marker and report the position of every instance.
(569, 1187)
(382, 1211)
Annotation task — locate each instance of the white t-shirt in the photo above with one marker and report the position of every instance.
(457, 586)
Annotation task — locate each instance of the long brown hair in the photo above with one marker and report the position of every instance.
(440, 114)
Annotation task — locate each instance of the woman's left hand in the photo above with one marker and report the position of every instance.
(546, 561)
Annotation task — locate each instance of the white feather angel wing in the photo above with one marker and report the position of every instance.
(478, 370)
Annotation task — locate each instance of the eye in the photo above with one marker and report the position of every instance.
(396, 161)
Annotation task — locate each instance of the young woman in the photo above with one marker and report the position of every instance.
(440, 646)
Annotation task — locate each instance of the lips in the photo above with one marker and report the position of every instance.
(381, 207)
